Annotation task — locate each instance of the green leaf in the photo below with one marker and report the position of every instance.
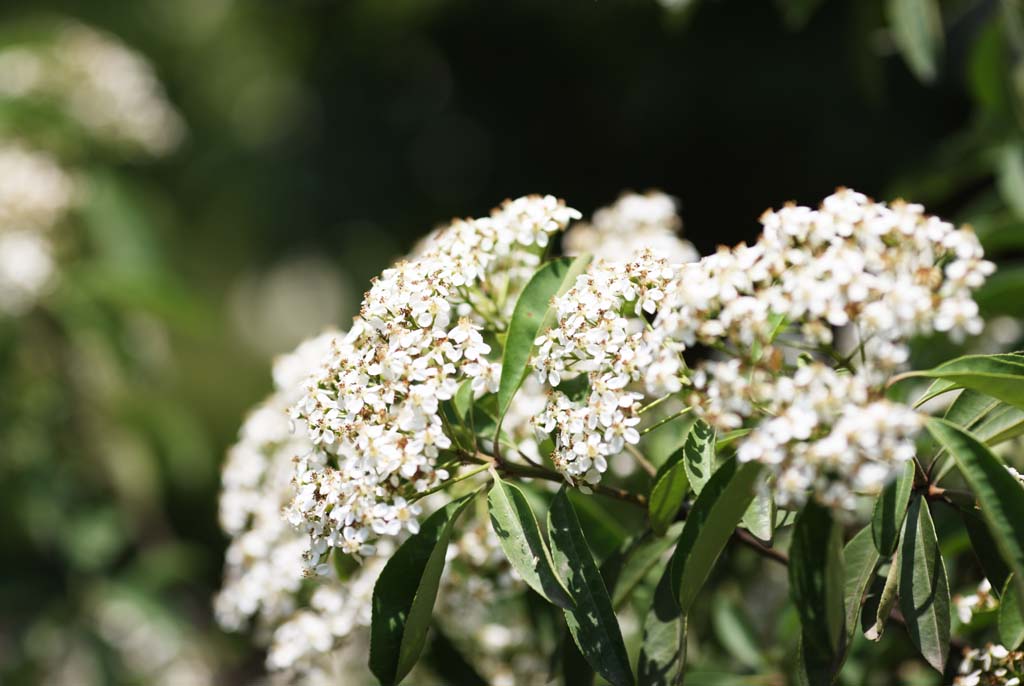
(709, 525)
(403, 597)
(1010, 177)
(890, 509)
(663, 651)
(1002, 424)
(670, 488)
(759, 519)
(861, 559)
(969, 408)
(985, 549)
(886, 602)
(699, 455)
(917, 32)
(1000, 376)
(1011, 617)
(923, 587)
(999, 494)
(519, 535)
(592, 621)
(639, 560)
(530, 318)
(817, 584)
(344, 564)
(733, 629)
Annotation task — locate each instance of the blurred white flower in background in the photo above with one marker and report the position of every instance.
(106, 87)
(35, 194)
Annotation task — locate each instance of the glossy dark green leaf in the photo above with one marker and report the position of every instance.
(528, 321)
(886, 602)
(1011, 617)
(817, 585)
(999, 493)
(890, 509)
(923, 587)
(671, 485)
(916, 27)
(999, 376)
(985, 549)
(403, 597)
(592, 620)
(969, 408)
(709, 526)
(699, 455)
(861, 559)
(520, 537)
(663, 651)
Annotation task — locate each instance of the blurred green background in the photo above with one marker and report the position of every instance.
(322, 139)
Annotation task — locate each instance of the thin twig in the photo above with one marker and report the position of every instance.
(644, 463)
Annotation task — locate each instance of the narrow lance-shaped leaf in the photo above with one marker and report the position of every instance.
(999, 494)
(403, 597)
(663, 651)
(670, 488)
(709, 525)
(890, 509)
(699, 455)
(1000, 376)
(923, 587)
(816, 584)
(759, 518)
(1011, 617)
(886, 602)
(520, 537)
(592, 620)
(861, 559)
(528, 321)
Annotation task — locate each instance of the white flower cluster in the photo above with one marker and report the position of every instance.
(35, 194)
(882, 272)
(601, 333)
(374, 409)
(107, 88)
(634, 224)
(993, 665)
(264, 563)
(822, 430)
(982, 600)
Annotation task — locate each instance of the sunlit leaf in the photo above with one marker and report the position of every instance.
(520, 537)
(1011, 617)
(1000, 376)
(886, 602)
(699, 455)
(663, 651)
(668, 492)
(528, 321)
(999, 493)
(860, 558)
(592, 620)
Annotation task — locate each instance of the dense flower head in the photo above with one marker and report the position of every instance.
(35, 194)
(633, 224)
(600, 334)
(374, 408)
(853, 270)
(104, 86)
